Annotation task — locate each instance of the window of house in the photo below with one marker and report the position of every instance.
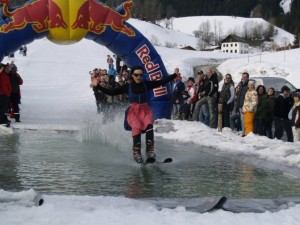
(226, 50)
(235, 44)
(235, 51)
(230, 51)
(231, 45)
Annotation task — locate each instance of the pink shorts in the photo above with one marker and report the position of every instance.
(139, 117)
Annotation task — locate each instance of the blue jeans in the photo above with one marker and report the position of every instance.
(175, 110)
(235, 121)
(242, 121)
(204, 114)
(212, 104)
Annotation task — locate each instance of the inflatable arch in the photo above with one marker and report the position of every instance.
(68, 21)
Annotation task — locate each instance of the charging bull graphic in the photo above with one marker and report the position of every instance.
(68, 21)
(28, 14)
(97, 23)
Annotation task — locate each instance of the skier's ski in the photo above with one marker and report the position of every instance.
(153, 160)
(167, 160)
(150, 161)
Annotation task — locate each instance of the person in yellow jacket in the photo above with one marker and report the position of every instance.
(249, 107)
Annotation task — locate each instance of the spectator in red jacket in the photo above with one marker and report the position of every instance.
(5, 91)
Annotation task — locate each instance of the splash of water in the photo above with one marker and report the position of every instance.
(106, 131)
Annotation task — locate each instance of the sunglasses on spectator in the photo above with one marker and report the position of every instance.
(137, 74)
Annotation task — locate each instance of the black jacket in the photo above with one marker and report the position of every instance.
(282, 106)
(212, 86)
(135, 87)
(177, 92)
(242, 89)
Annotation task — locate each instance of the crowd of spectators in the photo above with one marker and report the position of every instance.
(105, 103)
(243, 107)
(10, 94)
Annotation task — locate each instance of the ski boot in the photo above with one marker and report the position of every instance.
(17, 118)
(137, 154)
(150, 150)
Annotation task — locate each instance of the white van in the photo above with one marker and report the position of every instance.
(276, 82)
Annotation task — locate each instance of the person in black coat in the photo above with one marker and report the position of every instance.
(177, 88)
(270, 112)
(210, 97)
(15, 97)
(282, 106)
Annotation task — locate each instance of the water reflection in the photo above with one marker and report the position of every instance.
(9, 162)
(246, 178)
(148, 181)
(59, 163)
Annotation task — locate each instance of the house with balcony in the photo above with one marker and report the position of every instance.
(234, 44)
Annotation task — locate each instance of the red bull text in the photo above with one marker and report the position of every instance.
(144, 55)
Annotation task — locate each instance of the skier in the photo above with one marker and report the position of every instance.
(138, 116)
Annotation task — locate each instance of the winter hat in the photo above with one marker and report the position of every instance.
(251, 82)
(296, 94)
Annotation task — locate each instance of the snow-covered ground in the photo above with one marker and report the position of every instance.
(56, 95)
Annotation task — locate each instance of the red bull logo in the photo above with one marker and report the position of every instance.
(33, 13)
(100, 17)
(82, 16)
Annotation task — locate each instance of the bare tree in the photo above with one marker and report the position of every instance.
(220, 31)
(247, 30)
(197, 33)
(257, 32)
(204, 34)
(269, 32)
(201, 44)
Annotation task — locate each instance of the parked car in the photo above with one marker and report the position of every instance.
(276, 82)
